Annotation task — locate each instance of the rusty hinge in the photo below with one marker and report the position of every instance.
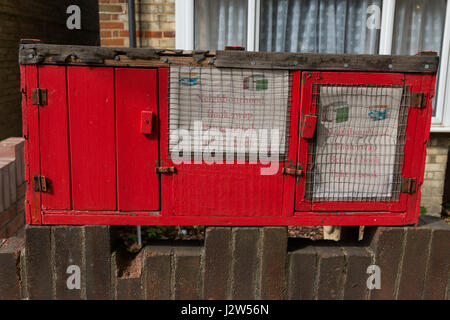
(165, 170)
(39, 96)
(39, 183)
(419, 100)
(293, 171)
(408, 185)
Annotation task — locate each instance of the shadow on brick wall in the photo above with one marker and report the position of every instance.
(232, 263)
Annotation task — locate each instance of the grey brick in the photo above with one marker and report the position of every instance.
(157, 272)
(302, 273)
(218, 245)
(38, 269)
(245, 263)
(187, 273)
(273, 263)
(330, 272)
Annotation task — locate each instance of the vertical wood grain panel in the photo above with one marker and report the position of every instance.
(54, 140)
(92, 137)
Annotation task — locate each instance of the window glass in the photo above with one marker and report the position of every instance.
(219, 24)
(418, 26)
(325, 26)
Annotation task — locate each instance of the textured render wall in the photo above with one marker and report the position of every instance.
(435, 173)
(155, 23)
(232, 263)
(38, 19)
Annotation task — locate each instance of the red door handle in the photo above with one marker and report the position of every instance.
(146, 122)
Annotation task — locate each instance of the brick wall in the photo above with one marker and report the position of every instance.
(232, 263)
(12, 186)
(38, 19)
(435, 173)
(155, 23)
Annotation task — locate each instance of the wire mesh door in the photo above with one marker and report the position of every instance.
(353, 160)
(229, 135)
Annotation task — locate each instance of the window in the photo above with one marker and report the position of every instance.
(325, 26)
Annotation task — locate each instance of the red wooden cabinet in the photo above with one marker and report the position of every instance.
(100, 144)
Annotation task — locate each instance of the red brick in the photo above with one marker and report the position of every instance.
(105, 16)
(110, 8)
(111, 25)
(113, 42)
(152, 34)
(169, 34)
(105, 34)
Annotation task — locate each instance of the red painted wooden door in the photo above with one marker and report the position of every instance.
(202, 188)
(358, 151)
(113, 138)
(137, 139)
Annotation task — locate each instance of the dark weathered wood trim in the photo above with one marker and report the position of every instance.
(38, 53)
(325, 62)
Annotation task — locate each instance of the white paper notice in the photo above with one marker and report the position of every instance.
(223, 99)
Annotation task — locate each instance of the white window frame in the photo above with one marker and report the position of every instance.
(184, 39)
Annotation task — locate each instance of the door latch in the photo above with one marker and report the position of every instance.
(296, 172)
(165, 170)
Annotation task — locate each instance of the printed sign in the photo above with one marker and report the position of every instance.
(356, 142)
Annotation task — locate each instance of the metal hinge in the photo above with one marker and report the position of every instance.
(408, 185)
(419, 100)
(165, 170)
(39, 96)
(293, 171)
(39, 183)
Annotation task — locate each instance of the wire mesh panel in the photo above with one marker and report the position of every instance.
(228, 112)
(358, 148)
